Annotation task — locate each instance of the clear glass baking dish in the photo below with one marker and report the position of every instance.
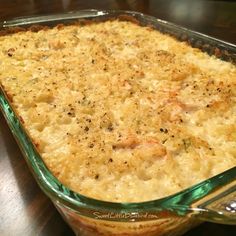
(212, 200)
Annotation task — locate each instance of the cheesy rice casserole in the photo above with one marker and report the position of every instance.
(121, 112)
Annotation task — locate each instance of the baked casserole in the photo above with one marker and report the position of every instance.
(121, 112)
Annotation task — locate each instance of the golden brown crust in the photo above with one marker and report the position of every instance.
(82, 22)
(118, 111)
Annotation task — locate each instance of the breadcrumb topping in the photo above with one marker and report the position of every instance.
(121, 112)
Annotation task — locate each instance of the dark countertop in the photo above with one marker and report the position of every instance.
(25, 209)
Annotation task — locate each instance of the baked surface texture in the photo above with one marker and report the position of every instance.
(121, 112)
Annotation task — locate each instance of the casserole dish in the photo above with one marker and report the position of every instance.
(211, 200)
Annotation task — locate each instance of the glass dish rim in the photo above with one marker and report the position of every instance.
(179, 202)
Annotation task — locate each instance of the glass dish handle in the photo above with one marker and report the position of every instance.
(219, 206)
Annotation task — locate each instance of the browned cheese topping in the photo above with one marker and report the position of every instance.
(121, 112)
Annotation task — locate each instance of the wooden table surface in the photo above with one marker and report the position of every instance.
(24, 209)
